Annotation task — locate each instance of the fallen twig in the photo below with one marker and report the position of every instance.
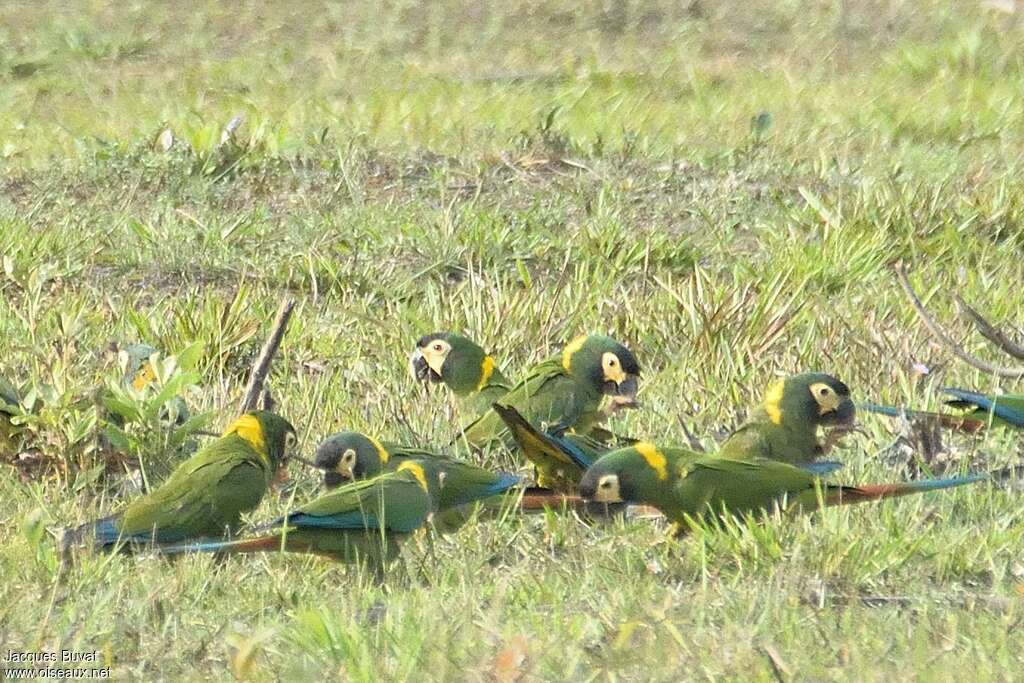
(262, 366)
(945, 339)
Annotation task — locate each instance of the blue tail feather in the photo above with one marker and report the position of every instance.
(574, 452)
(105, 531)
(890, 411)
(504, 482)
(988, 404)
(935, 484)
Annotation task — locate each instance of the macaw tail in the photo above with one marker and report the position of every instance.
(504, 482)
(260, 544)
(539, 448)
(1006, 408)
(962, 423)
(101, 533)
(536, 499)
(848, 495)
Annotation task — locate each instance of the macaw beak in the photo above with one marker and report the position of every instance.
(421, 370)
(625, 393)
(333, 480)
(587, 488)
(281, 475)
(844, 414)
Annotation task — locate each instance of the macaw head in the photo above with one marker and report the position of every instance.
(348, 456)
(457, 361)
(270, 435)
(810, 398)
(642, 473)
(604, 364)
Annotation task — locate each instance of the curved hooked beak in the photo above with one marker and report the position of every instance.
(844, 414)
(333, 480)
(335, 473)
(624, 393)
(421, 370)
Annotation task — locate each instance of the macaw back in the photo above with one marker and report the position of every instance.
(205, 496)
(547, 397)
(480, 401)
(715, 485)
(760, 437)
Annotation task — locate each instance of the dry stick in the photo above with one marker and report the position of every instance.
(989, 331)
(947, 341)
(254, 390)
(262, 365)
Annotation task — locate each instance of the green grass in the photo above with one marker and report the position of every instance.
(521, 172)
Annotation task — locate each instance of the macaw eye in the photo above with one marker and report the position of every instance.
(349, 455)
(825, 391)
(290, 441)
(438, 348)
(606, 484)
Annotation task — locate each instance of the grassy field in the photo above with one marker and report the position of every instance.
(723, 188)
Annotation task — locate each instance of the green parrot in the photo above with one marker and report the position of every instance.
(472, 375)
(785, 425)
(784, 428)
(564, 393)
(463, 366)
(1006, 410)
(351, 456)
(682, 484)
(363, 521)
(205, 495)
(576, 458)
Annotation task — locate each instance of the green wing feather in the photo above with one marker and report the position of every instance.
(761, 438)
(548, 394)
(205, 495)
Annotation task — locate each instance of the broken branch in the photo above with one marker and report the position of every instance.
(989, 331)
(262, 365)
(944, 338)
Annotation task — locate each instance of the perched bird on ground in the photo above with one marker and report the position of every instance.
(362, 521)
(785, 425)
(463, 366)
(351, 456)
(472, 375)
(565, 393)
(206, 495)
(1004, 411)
(685, 484)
